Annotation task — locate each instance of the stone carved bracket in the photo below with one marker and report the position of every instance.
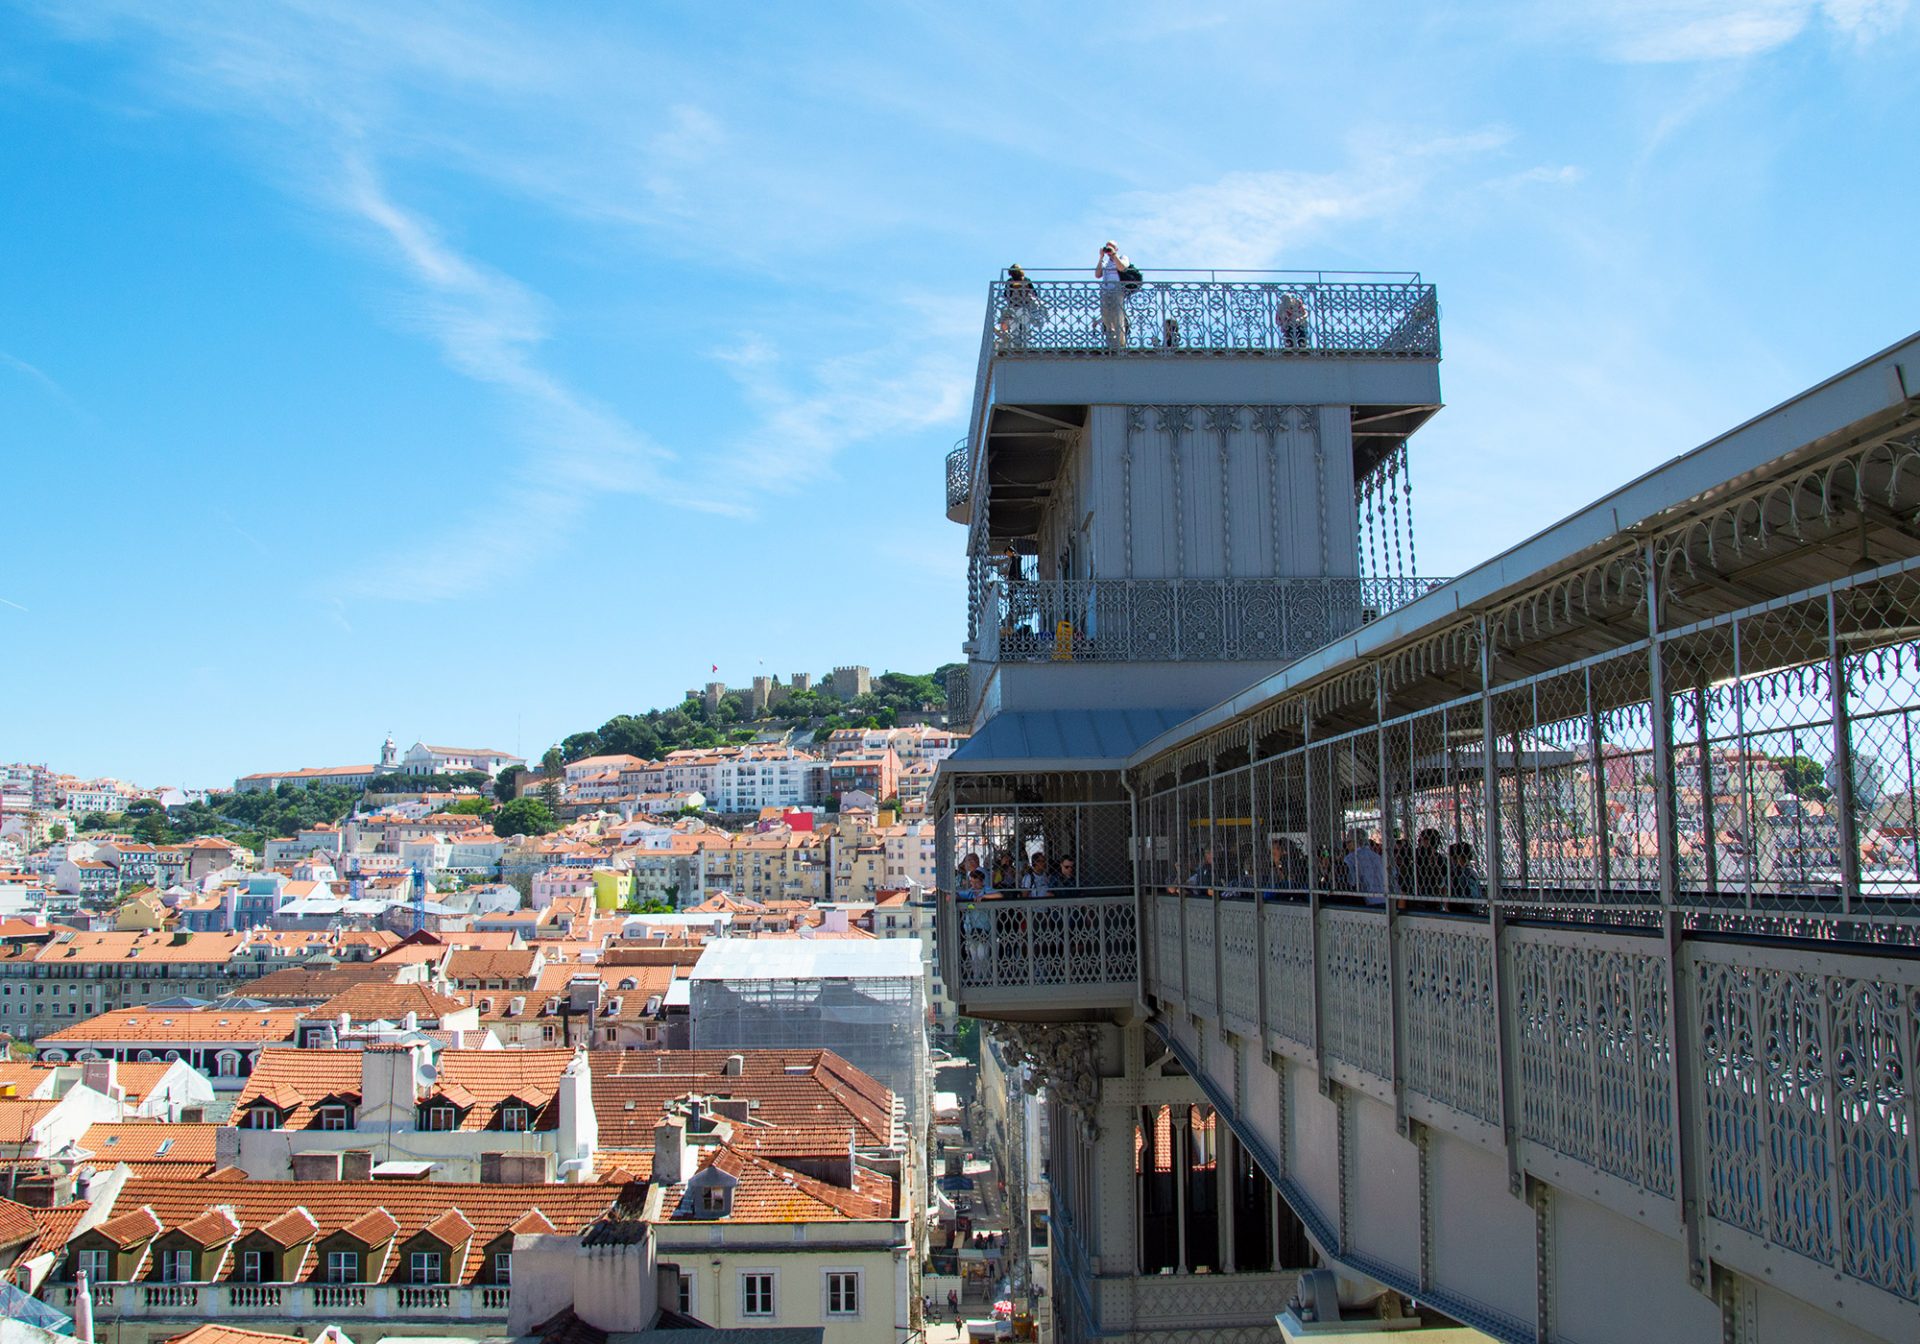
(1062, 1058)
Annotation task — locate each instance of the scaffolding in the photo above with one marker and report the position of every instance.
(865, 1001)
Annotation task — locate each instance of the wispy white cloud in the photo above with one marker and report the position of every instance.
(1727, 30)
(809, 412)
(34, 374)
(1247, 220)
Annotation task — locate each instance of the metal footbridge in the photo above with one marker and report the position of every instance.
(1552, 941)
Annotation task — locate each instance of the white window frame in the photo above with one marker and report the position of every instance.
(435, 1113)
(176, 1266)
(431, 1260)
(503, 1267)
(516, 1117)
(253, 1267)
(852, 1288)
(683, 1293)
(749, 1284)
(261, 1117)
(97, 1265)
(341, 1264)
(334, 1119)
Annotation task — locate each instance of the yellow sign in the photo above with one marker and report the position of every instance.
(1063, 641)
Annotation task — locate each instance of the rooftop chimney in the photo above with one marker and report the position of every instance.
(670, 1151)
(102, 1076)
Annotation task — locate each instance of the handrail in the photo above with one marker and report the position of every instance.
(1304, 316)
(1398, 277)
(1178, 620)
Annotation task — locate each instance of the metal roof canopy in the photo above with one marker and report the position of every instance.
(1877, 396)
(809, 959)
(1059, 740)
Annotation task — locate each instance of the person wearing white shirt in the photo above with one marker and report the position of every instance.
(1113, 294)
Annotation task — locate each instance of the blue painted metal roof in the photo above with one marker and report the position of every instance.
(1049, 739)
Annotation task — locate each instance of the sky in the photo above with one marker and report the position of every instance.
(475, 373)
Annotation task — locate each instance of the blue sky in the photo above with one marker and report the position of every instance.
(479, 372)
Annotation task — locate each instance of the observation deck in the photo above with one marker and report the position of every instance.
(1193, 337)
(1642, 1052)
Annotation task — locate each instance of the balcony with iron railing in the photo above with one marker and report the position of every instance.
(1062, 956)
(1177, 620)
(960, 482)
(1291, 314)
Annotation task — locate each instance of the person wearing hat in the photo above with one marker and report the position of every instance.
(1113, 294)
(1021, 313)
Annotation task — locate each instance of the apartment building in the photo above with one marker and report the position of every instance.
(458, 1115)
(73, 975)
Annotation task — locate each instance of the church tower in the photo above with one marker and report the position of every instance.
(389, 756)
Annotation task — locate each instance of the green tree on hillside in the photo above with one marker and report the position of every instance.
(524, 816)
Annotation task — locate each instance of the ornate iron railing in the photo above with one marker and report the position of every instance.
(1056, 942)
(1397, 319)
(959, 476)
(1179, 620)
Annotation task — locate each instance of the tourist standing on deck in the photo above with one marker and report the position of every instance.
(1113, 294)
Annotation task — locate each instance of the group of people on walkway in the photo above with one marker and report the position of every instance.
(1022, 312)
(1362, 869)
(1040, 877)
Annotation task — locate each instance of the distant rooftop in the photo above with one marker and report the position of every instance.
(805, 959)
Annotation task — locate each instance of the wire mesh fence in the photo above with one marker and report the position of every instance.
(1755, 771)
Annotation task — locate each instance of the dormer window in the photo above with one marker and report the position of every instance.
(516, 1117)
(334, 1118)
(439, 1118)
(261, 1117)
(713, 1199)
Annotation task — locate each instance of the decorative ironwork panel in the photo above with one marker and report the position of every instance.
(1200, 610)
(1200, 956)
(1297, 318)
(1807, 1093)
(1355, 989)
(1166, 944)
(1594, 1058)
(1452, 1054)
(1019, 943)
(1290, 971)
(959, 475)
(1239, 967)
(1202, 620)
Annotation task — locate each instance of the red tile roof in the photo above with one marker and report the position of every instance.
(811, 1102)
(382, 1214)
(168, 1026)
(298, 1082)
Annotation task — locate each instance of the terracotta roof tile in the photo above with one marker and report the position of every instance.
(56, 1227)
(138, 1143)
(227, 1334)
(17, 1223)
(450, 1228)
(811, 1102)
(215, 1227)
(375, 1227)
(297, 1082)
(377, 1211)
(178, 1025)
(369, 1001)
(290, 1228)
(766, 1192)
(129, 1229)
